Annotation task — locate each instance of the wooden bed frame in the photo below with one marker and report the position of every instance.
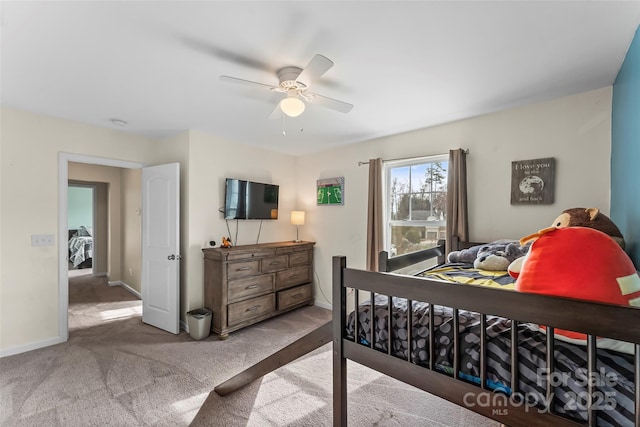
(593, 319)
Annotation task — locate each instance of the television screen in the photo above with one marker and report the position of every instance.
(250, 200)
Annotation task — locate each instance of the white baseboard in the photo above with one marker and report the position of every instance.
(184, 326)
(323, 305)
(31, 346)
(127, 287)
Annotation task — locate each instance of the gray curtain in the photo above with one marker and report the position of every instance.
(374, 214)
(457, 219)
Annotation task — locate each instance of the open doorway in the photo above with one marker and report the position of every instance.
(81, 215)
(107, 224)
(159, 238)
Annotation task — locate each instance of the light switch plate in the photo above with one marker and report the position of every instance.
(43, 240)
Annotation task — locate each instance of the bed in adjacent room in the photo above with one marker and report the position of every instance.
(81, 247)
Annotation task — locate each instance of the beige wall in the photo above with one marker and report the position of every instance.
(131, 233)
(205, 162)
(576, 130)
(102, 226)
(211, 160)
(30, 143)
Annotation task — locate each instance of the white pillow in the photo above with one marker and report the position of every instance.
(85, 231)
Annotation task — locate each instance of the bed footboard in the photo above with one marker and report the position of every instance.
(593, 319)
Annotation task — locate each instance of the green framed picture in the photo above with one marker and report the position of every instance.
(330, 191)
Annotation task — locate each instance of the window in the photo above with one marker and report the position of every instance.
(416, 204)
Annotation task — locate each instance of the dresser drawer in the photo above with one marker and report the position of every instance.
(276, 263)
(239, 312)
(293, 276)
(252, 254)
(250, 286)
(236, 270)
(294, 296)
(299, 258)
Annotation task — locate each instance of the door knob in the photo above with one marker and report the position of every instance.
(171, 257)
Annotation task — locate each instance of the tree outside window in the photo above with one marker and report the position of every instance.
(416, 204)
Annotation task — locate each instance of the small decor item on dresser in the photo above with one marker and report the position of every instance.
(226, 242)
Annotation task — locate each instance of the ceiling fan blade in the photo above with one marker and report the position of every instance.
(334, 104)
(210, 49)
(247, 82)
(276, 113)
(315, 68)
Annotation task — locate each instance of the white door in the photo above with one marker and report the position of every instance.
(160, 246)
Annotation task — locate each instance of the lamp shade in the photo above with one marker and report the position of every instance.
(297, 217)
(292, 106)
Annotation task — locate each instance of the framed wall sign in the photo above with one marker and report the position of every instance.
(330, 191)
(532, 181)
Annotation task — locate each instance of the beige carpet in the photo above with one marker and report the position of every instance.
(117, 371)
(299, 395)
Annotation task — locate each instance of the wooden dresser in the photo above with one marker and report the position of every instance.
(246, 284)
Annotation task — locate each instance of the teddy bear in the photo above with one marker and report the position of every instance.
(466, 256)
(494, 256)
(583, 217)
(497, 257)
(574, 217)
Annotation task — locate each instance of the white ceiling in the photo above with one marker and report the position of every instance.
(404, 65)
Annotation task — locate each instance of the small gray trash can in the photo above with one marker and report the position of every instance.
(199, 322)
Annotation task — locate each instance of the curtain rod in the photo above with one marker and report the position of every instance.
(466, 151)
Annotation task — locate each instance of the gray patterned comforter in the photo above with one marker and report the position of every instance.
(615, 391)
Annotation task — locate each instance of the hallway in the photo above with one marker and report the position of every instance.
(92, 302)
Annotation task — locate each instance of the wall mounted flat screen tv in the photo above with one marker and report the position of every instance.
(250, 200)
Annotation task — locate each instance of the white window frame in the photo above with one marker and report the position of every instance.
(388, 223)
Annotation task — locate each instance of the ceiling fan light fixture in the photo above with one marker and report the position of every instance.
(292, 106)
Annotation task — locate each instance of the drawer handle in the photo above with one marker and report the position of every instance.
(254, 308)
(296, 296)
(274, 263)
(243, 269)
(294, 276)
(251, 287)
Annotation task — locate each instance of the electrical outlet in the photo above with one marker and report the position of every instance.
(130, 272)
(43, 240)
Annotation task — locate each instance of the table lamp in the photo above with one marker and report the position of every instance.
(297, 218)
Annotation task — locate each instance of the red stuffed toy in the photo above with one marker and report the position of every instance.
(581, 263)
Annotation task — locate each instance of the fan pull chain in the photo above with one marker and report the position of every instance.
(284, 132)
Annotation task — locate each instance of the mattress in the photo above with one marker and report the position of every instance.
(615, 389)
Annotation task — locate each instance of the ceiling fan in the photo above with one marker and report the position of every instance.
(294, 83)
